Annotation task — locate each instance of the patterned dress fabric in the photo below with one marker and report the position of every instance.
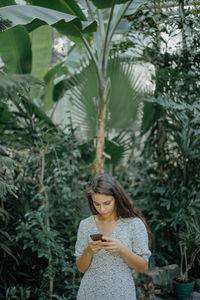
(108, 276)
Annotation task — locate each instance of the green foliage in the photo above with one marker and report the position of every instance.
(10, 84)
(164, 179)
(18, 59)
(189, 247)
(67, 6)
(39, 220)
(125, 92)
(5, 187)
(41, 41)
(166, 185)
(106, 4)
(45, 252)
(36, 16)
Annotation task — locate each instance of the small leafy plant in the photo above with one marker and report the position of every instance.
(189, 249)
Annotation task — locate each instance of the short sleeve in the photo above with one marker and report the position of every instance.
(140, 239)
(82, 239)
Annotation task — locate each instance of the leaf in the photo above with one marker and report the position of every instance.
(10, 84)
(59, 90)
(115, 149)
(148, 117)
(35, 16)
(124, 25)
(107, 3)
(52, 72)
(50, 88)
(124, 96)
(6, 118)
(41, 50)
(47, 98)
(66, 6)
(34, 109)
(134, 6)
(7, 250)
(7, 2)
(17, 56)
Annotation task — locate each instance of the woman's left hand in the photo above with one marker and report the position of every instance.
(111, 245)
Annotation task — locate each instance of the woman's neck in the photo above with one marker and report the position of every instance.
(112, 218)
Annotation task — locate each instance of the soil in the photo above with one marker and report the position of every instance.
(180, 280)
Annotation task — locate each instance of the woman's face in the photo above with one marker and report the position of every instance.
(104, 204)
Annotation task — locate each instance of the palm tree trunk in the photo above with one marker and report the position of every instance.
(98, 165)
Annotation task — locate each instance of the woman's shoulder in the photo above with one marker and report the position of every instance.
(87, 221)
(133, 221)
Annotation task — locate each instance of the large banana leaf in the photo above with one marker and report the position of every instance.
(15, 50)
(41, 41)
(34, 16)
(31, 55)
(66, 6)
(54, 92)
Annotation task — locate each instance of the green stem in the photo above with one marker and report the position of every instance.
(117, 23)
(104, 60)
(99, 35)
(90, 10)
(99, 73)
(186, 264)
(181, 263)
(101, 25)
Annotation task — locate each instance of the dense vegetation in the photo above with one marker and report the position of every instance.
(44, 167)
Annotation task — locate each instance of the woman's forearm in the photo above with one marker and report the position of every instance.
(83, 262)
(134, 261)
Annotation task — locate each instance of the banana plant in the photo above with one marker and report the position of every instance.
(32, 17)
(125, 96)
(99, 54)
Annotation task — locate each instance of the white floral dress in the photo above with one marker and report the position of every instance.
(108, 276)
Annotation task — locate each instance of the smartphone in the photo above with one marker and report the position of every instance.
(96, 237)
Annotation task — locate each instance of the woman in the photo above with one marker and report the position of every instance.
(107, 263)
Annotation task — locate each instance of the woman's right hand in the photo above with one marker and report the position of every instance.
(94, 246)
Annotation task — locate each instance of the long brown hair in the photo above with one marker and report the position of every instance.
(108, 185)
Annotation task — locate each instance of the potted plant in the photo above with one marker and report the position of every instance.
(189, 249)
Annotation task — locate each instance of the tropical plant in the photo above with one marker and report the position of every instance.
(6, 186)
(189, 248)
(163, 178)
(40, 215)
(99, 52)
(169, 199)
(43, 217)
